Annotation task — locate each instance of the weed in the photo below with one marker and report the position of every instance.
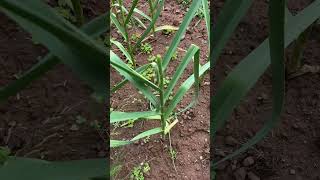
(80, 119)
(146, 48)
(166, 81)
(167, 31)
(184, 3)
(173, 153)
(146, 140)
(200, 13)
(66, 14)
(152, 58)
(139, 171)
(135, 37)
(149, 74)
(4, 155)
(128, 124)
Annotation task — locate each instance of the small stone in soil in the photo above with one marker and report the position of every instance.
(74, 127)
(219, 152)
(292, 171)
(198, 168)
(240, 174)
(248, 161)
(253, 176)
(231, 141)
(222, 166)
(206, 83)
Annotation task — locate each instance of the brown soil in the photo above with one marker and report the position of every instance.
(291, 151)
(36, 122)
(190, 137)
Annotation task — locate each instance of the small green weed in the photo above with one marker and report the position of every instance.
(148, 73)
(65, 3)
(135, 37)
(152, 58)
(4, 155)
(65, 9)
(146, 48)
(80, 119)
(128, 124)
(173, 153)
(167, 31)
(146, 140)
(184, 2)
(139, 171)
(200, 13)
(166, 81)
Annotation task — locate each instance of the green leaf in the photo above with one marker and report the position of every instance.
(134, 5)
(191, 52)
(147, 133)
(182, 29)
(183, 89)
(230, 16)
(117, 143)
(123, 50)
(117, 116)
(85, 57)
(25, 168)
(245, 75)
(123, 82)
(94, 28)
(4, 155)
(135, 78)
(160, 4)
(115, 21)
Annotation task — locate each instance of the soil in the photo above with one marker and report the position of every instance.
(190, 137)
(37, 121)
(292, 150)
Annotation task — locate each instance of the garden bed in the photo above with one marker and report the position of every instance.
(190, 137)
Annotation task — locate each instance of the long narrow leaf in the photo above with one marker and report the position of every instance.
(24, 168)
(182, 29)
(120, 28)
(246, 74)
(133, 6)
(230, 16)
(186, 86)
(94, 28)
(118, 143)
(207, 18)
(135, 78)
(64, 40)
(179, 71)
(117, 116)
(160, 4)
